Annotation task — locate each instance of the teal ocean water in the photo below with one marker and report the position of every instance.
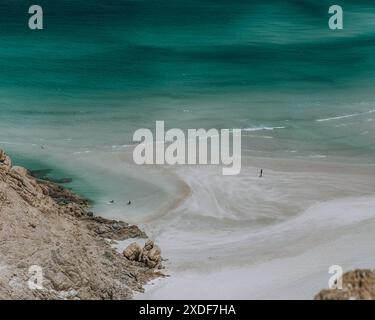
(102, 69)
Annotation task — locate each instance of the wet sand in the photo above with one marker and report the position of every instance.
(272, 238)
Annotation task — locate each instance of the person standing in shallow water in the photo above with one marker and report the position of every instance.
(261, 173)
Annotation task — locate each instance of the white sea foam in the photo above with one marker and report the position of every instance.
(263, 128)
(124, 146)
(258, 137)
(318, 156)
(346, 116)
(81, 152)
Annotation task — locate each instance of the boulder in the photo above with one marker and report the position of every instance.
(132, 251)
(151, 255)
(148, 245)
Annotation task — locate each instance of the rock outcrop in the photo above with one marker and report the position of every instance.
(149, 255)
(49, 238)
(132, 252)
(357, 285)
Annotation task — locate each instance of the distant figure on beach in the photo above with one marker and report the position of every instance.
(261, 173)
(129, 203)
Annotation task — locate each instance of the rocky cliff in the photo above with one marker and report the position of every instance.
(52, 247)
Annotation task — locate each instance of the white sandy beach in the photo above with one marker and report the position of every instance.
(243, 237)
(240, 237)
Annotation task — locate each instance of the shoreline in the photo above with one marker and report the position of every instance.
(50, 227)
(178, 228)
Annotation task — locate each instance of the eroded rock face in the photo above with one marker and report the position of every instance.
(44, 225)
(357, 285)
(114, 230)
